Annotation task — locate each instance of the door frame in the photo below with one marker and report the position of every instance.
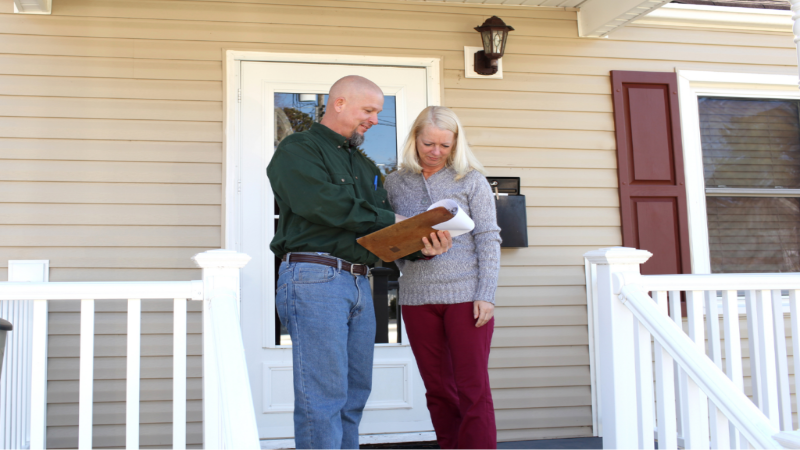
(231, 198)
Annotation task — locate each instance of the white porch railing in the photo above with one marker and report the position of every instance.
(228, 423)
(686, 390)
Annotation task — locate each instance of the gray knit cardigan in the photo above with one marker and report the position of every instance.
(468, 271)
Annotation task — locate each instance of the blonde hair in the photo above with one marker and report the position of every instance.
(461, 157)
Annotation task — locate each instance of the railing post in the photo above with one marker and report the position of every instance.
(617, 365)
(24, 390)
(220, 273)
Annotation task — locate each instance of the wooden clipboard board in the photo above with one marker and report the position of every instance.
(404, 238)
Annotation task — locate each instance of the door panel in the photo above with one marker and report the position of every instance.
(271, 104)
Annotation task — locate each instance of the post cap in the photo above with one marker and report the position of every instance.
(221, 258)
(5, 325)
(618, 255)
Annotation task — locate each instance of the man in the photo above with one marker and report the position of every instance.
(329, 194)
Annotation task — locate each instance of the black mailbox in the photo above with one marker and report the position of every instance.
(511, 215)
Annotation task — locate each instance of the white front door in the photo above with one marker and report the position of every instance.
(276, 100)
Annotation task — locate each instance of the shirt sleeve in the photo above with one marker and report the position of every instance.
(487, 238)
(303, 182)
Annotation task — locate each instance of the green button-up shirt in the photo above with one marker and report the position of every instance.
(328, 196)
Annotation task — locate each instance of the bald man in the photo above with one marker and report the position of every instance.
(329, 195)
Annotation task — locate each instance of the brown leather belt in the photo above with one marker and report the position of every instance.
(355, 269)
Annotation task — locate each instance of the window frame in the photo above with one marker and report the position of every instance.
(692, 85)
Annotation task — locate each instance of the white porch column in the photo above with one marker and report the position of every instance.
(796, 25)
(220, 273)
(617, 384)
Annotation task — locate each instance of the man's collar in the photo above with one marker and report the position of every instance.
(336, 138)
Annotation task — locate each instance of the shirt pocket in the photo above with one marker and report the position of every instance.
(381, 198)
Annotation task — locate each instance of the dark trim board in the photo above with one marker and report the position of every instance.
(577, 443)
(574, 443)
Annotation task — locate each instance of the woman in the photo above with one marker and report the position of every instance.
(448, 300)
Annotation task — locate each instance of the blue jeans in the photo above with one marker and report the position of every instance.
(330, 317)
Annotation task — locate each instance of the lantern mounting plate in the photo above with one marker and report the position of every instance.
(469, 65)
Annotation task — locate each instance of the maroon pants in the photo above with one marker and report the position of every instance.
(453, 359)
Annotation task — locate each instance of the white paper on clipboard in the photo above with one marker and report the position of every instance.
(459, 224)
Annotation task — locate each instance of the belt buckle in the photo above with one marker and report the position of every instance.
(352, 268)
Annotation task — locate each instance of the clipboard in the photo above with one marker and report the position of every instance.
(404, 238)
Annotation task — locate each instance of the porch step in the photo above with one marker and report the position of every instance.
(576, 443)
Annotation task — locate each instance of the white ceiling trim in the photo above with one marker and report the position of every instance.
(597, 18)
(33, 6)
(550, 3)
(742, 19)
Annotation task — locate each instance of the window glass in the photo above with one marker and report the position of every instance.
(295, 113)
(752, 234)
(750, 143)
(751, 148)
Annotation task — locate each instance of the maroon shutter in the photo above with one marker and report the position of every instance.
(650, 167)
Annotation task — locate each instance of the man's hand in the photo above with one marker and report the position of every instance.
(439, 243)
(399, 218)
(482, 311)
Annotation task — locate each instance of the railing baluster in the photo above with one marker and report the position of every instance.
(665, 387)
(644, 385)
(733, 351)
(753, 345)
(781, 362)
(794, 312)
(39, 376)
(86, 377)
(768, 389)
(676, 314)
(718, 423)
(179, 374)
(694, 402)
(134, 373)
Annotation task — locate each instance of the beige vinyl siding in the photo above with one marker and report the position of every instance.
(111, 147)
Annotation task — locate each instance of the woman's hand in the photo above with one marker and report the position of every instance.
(483, 312)
(440, 242)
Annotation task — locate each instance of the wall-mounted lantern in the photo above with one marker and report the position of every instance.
(494, 33)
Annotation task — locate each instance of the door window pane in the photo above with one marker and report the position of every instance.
(295, 113)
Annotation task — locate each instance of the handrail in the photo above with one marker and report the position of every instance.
(747, 418)
(229, 419)
(238, 418)
(717, 282)
(101, 291)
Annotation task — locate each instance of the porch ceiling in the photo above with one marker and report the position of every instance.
(596, 18)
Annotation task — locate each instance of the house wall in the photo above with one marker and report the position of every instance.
(111, 146)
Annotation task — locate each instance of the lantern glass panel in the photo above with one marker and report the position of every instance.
(497, 42)
(487, 41)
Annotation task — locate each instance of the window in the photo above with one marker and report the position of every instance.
(741, 136)
(751, 165)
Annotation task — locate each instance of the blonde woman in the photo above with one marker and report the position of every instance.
(448, 300)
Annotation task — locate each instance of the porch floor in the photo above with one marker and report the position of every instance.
(576, 443)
